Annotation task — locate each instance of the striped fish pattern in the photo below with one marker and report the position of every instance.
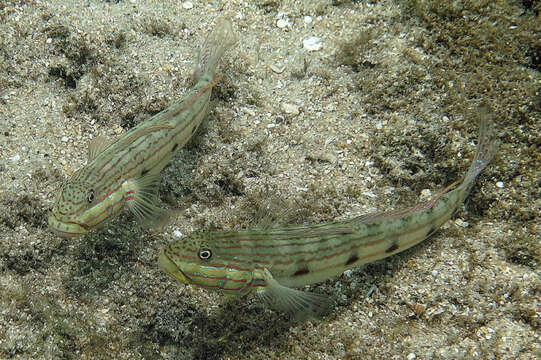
(272, 262)
(126, 172)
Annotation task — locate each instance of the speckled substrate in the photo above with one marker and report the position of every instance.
(375, 114)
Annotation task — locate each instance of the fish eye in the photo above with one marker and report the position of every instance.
(205, 254)
(90, 196)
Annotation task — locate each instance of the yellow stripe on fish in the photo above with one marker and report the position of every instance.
(126, 173)
(270, 262)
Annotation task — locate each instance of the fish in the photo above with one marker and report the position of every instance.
(125, 173)
(273, 262)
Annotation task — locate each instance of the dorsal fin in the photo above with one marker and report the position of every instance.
(96, 146)
(160, 125)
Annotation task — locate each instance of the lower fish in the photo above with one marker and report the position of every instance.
(273, 262)
(126, 173)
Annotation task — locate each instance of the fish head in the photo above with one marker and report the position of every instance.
(79, 207)
(194, 260)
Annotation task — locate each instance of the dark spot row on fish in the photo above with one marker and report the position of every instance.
(392, 248)
(353, 258)
(301, 271)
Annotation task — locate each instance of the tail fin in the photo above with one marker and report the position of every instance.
(216, 44)
(486, 149)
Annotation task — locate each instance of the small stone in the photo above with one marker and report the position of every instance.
(289, 109)
(461, 223)
(64, 139)
(307, 19)
(177, 234)
(313, 43)
(500, 184)
(411, 356)
(187, 5)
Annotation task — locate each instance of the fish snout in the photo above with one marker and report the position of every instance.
(65, 229)
(171, 268)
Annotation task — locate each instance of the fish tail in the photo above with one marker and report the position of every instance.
(486, 149)
(216, 44)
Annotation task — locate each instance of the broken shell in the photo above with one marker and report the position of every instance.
(313, 43)
(277, 68)
(289, 109)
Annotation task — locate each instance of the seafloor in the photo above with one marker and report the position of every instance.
(380, 111)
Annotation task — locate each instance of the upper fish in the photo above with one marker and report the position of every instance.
(125, 173)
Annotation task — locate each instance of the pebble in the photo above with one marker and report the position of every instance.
(307, 19)
(500, 184)
(64, 139)
(289, 109)
(177, 234)
(461, 223)
(411, 356)
(187, 5)
(313, 43)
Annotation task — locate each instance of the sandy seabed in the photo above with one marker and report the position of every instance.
(331, 109)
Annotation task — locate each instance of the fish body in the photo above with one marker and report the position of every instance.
(126, 172)
(272, 262)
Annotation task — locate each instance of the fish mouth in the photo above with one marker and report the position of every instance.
(172, 269)
(66, 229)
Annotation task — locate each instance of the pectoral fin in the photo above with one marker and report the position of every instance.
(297, 303)
(145, 204)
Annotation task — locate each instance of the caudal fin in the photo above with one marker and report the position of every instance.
(216, 44)
(486, 149)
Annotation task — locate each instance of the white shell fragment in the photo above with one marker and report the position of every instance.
(289, 109)
(187, 5)
(282, 23)
(277, 68)
(313, 43)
